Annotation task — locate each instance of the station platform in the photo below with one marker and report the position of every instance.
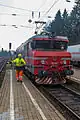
(23, 101)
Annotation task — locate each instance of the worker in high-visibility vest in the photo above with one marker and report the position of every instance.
(19, 65)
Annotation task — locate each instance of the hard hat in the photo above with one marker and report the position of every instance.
(19, 55)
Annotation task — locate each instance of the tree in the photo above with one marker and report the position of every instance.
(57, 23)
(65, 15)
(65, 23)
(75, 23)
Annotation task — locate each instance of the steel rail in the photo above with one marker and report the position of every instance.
(55, 96)
(2, 64)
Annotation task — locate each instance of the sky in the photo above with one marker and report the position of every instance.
(23, 10)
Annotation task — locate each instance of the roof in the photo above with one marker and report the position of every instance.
(44, 37)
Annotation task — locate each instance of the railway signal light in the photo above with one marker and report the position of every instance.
(10, 45)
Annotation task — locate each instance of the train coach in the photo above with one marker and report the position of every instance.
(47, 59)
(75, 54)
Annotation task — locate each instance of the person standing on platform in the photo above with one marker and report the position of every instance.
(19, 66)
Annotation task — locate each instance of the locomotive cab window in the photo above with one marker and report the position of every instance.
(49, 45)
(60, 45)
(41, 44)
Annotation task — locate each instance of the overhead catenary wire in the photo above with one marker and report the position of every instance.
(48, 11)
(32, 11)
(53, 6)
(3, 5)
(39, 11)
(44, 2)
(25, 10)
(13, 14)
(16, 26)
(42, 5)
(50, 8)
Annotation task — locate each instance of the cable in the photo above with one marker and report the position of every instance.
(49, 10)
(18, 8)
(14, 14)
(15, 26)
(51, 7)
(42, 4)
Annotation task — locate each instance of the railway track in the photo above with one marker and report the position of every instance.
(3, 62)
(65, 99)
(77, 67)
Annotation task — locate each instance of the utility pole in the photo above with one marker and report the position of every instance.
(10, 45)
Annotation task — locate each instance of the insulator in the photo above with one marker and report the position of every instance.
(29, 20)
(39, 14)
(32, 14)
(36, 32)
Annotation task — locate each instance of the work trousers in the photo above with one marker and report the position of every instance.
(19, 75)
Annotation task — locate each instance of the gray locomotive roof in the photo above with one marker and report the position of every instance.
(41, 36)
(46, 36)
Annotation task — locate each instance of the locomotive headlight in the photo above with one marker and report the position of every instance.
(64, 61)
(43, 61)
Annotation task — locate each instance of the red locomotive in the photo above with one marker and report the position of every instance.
(48, 61)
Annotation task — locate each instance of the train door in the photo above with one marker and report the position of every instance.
(29, 57)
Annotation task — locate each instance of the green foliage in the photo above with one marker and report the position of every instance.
(67, 25)
(57, 23)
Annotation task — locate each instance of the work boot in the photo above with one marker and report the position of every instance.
(17, 80)
(21, 81)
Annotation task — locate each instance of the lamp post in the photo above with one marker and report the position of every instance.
(10, 45)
